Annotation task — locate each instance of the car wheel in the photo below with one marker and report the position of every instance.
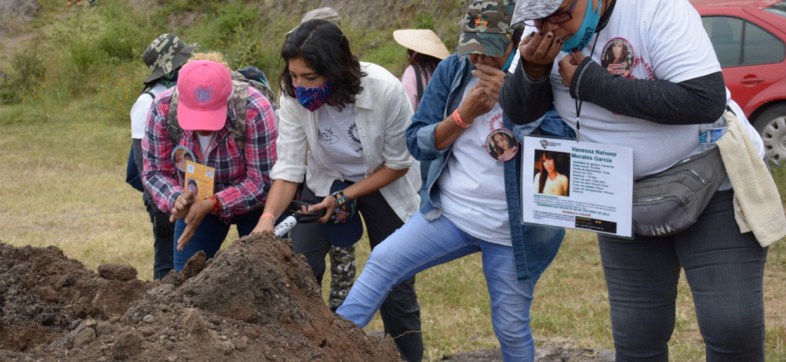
(771, 124)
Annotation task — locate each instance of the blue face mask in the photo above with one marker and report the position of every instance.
(587, 28)
(314, 97)
(509, 61)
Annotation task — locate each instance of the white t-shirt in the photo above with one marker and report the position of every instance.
(204, 143)
(472, 186)
(338, 137)
(140, 109)
(659, 39)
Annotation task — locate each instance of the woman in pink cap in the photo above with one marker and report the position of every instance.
(206, 125)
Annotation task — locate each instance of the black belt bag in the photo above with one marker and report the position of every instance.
(671, 201)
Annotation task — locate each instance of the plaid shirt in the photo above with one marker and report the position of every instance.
(241, 181)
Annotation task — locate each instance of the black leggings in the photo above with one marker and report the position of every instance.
(400, 312)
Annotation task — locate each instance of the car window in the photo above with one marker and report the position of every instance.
(726, 37)
(778, 8)
(738, 42)
(761, 47)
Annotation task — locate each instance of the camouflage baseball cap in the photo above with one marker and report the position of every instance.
(485, 28)
(165, 54)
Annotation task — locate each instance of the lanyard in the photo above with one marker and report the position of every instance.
(577, 101)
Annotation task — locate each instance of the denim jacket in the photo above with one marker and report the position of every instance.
(534, 247)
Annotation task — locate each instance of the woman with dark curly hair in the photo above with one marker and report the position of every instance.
(351, 116)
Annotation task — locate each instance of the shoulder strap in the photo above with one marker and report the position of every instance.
(149, 91)
(172, 126)
(240, 105)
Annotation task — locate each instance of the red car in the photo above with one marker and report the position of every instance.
(749, 37)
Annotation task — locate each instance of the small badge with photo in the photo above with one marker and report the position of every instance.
(502, 145)
(180, 155)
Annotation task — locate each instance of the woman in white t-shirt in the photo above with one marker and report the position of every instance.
(674, 86)
(342, 126)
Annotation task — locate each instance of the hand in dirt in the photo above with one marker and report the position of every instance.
(328, 204)
(266, 223)
(538, 51)
(182, 204)
(196, 213)
(568, 65)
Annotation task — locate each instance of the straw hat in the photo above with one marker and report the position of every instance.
(423, 41)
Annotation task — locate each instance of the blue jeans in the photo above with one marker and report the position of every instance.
(210, 234)
(419, 245)
(163, 251)
(725, 272)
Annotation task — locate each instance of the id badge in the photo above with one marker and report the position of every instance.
(200, 179)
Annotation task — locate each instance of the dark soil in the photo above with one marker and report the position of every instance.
(256, 300)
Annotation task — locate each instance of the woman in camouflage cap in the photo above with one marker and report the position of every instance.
(472, 197)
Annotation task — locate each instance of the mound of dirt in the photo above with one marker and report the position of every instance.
(256, 300)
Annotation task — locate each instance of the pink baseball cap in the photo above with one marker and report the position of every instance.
(203, 89)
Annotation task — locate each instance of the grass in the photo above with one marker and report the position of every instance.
(65, 140)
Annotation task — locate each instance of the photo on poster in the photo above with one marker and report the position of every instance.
(552, 173)
(585, 186)
(193, 187)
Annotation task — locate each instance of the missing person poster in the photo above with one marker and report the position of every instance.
(578, 185)
(199, 179)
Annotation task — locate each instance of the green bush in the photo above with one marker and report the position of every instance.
(27, 71)
(122, 37)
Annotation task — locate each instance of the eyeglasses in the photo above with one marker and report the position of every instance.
(558, 17)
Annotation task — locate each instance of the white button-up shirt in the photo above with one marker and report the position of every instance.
(383, 114)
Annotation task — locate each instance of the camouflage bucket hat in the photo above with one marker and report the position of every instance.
(166, 54)
(485, 27)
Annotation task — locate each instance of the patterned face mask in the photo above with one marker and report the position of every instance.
(170, 79)
(314, 97)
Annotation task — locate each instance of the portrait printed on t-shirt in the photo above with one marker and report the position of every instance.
(618, 57)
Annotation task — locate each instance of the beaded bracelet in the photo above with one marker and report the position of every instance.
(457, 118)
(344, 209)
